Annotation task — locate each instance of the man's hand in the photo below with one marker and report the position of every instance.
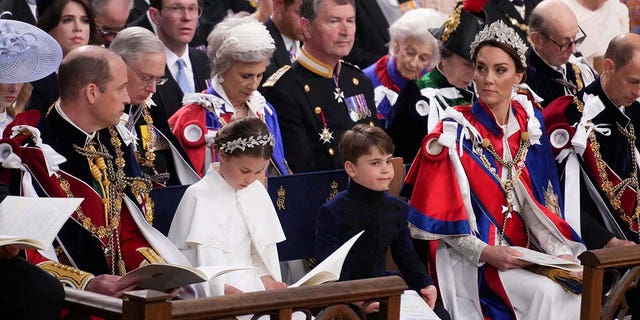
(502, 258)
(7, 252)
(430, 294)
(615, 242)
(111, 285)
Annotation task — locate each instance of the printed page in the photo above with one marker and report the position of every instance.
(413, 307)
(330, 268)
(544, 259)
(37, 219)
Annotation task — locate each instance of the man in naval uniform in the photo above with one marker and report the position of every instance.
(320, 96)
(110, 234)
(552, 69)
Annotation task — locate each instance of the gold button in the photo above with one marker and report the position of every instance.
(307, 88)
(356, 81)
(331, 152)
(317, 110)
(371, 124)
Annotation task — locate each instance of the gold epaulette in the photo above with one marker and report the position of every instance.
(150, 255)
(276, 76)
(68, 276)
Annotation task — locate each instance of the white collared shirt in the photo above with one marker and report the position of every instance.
(172, 63)
(288, 42)
(64, 116)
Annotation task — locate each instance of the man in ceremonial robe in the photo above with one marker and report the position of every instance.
(110, 234)
(595, 137)
(552, 69)
(320, 96)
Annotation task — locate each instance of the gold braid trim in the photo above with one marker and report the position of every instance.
(68, 276)
(578, 74)
(150, 255)
(451, 24)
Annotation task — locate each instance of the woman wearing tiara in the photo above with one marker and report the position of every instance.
(239, 50)
(485, 183)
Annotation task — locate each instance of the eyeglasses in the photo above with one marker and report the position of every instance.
(106, 31)
(148, 80)
(177, 10)
(568, 45)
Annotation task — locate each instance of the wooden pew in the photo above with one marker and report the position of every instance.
(595, 263)
(333, 297)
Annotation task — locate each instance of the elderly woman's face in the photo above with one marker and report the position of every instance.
(242, 79)
(73, 29)
(412, 57)
(9, 93)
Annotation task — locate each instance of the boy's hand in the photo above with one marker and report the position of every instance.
(430, 294)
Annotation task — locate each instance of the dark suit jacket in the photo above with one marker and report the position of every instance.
(372, 34)
(169, 95)
(280, 57)
(139, 9)
(141, 21)
(505, 10)
(45, 93)
(19, 10)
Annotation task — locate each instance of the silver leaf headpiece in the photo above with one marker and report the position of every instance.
(247, 143)
(500, 32)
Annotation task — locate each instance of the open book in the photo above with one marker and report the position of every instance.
(163, 277)
(413, 307)
(330, 268)
(33, 222)
(544, 259)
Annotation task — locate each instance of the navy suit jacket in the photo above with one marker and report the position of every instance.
(372, 34)
(19, 10)
(280, 56)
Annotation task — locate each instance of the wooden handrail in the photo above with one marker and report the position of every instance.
(595, 262)
(147, 304)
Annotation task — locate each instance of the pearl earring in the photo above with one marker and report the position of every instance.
(220, 79)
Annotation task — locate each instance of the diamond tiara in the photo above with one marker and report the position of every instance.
(502, 33)
(247, 143)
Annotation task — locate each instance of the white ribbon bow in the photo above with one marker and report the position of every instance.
(592, 107)
(533, 125)
(381, 92)
(10, 160)
(434, 108)
(468, 130)
(52, 159)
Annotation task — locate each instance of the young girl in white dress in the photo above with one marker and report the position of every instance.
(227, 218)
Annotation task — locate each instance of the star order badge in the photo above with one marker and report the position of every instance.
(338, 94)
(326, 135)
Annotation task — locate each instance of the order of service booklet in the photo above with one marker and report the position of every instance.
(413, 307)
(162, 277)
(329, 269)
(544, 259)
(33, 223)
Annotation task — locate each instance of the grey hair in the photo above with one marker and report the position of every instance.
(415, 24)
(238, 39)
(133, 42)
(309, 8)
(98, 5)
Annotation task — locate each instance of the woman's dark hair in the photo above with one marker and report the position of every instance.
(520, 68)
(49, 17)
(250, 136)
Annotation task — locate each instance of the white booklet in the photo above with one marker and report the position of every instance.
(544, 259)
(34, 222)
(330, 268)
(162, 277)
(413, 307)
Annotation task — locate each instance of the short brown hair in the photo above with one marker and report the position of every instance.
(81, 70)
(358, 142)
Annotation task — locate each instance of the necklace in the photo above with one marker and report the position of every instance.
(514, 168)
(614, 193)
(112, 182)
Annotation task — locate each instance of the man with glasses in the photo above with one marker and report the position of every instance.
(111, 17)
(187, 70)
(553, 70)
(158, 152)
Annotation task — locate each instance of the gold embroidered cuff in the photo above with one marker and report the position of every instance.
(68, 276)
